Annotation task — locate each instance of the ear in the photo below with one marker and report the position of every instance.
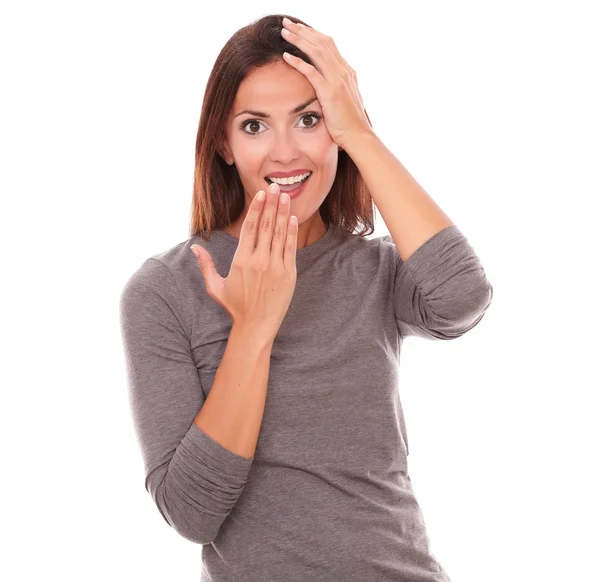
(225, 153)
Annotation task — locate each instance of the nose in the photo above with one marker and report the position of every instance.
(284, 148)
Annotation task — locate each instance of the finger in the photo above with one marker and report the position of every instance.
(291, 244)
(300, 29)
(281, 225)
(249, 230)
(330, 43)
(267, 222)
(315, 44)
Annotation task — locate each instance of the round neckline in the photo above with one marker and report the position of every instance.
(301, 254)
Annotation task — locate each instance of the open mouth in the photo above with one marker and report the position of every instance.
(289, 187)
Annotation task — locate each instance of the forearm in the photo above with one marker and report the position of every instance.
(233, 411)
(410, 214)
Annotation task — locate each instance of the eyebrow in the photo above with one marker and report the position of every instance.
(265, 115)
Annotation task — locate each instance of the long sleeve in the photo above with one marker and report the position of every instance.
(194, 481)
(441, 291)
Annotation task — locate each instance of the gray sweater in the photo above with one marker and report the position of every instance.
(327, 495)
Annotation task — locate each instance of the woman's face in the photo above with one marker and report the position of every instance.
(282, 142)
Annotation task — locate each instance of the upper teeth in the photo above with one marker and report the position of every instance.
(290, 180)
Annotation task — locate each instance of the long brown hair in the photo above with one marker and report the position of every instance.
(218, 198)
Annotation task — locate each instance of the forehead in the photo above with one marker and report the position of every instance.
(275, 88)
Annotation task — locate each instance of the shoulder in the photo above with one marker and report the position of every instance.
(374, 249)
(156, 280)
(173, 276)
(158, 271)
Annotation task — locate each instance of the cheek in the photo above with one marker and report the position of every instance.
(322, 151)
(319, 149)
(328, 163)
(330, 159)
(248, 160)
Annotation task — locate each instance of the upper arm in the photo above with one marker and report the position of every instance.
(192, 479)
(441, 291)
(165, 393)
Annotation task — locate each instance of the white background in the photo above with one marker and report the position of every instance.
(492, 107)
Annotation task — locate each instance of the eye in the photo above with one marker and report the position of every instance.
(314, 114)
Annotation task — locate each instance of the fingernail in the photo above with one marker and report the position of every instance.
(194, 250)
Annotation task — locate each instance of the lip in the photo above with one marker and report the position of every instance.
(297, 191)
(288, 174)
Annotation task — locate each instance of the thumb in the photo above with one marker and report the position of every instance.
(206, 263)
(212, 280)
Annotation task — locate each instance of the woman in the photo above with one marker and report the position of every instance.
(263, 374)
